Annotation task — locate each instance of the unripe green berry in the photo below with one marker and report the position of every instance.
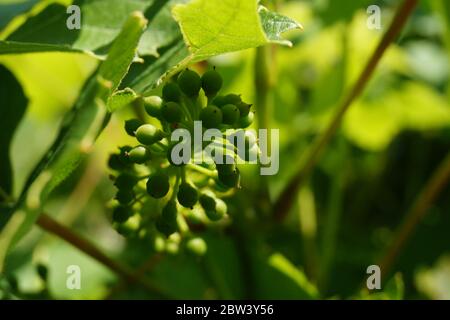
(230, 114)
(158, 185)
(232, 99)
(215, 209)
(171, 92)
(124, 154)
(115, 162)
(180, 154)
(219, 101)
(148, 134)
(197, 246)
(189, 82)
(131, 126)
(153, 106)
(211, 82)
(121, 214)
(172, 112)
(211, 117)
(187, 195)
(138, 155)
(167, 222)
(230, 179)
(228, 166)
(126, 181)
(244, 108)
(125, 196)
(207, 202)
(42, 271)
(246, 121)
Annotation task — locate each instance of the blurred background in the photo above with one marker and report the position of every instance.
(390, 142)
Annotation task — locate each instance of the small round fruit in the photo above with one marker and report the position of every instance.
(171, 92)
(148, 134)
(131, 126)
(211, 82)
(179, 157)
(220, 209)
(230, 179)
(211, 117)
(138, 155)
(125, 181)
(125, 196)
(219, 101)
(197, 246)
(246, 121)
(153, 106)
(169, 212)
(121, 214)
(42, 271)
(244, 108)
(232, 99)
(158, 185)
(123, 155)
(167, 222)
(207, 202)
(171, 112)
(187, 195)
(115, 162)
(228, 166)
(189, 82)
(230, 114)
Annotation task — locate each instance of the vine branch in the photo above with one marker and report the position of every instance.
(427, 196)
(52, 226)
(288, 195)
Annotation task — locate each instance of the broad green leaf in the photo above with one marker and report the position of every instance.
(14, 104)
(9, 9)
(274, 24)
(277, 278)
(283, 265)
(121, 99)
(101, 22)
(80, 127)
(212, 27)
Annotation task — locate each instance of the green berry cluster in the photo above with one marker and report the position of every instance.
(154, 193)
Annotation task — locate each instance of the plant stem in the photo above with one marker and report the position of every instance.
(201, 169)
(419, 209)
(50, 225)
(264, 74)
(149, 264)
(288, 195)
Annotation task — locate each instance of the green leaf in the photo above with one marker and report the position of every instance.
(9, 9)
(101, 22)
(213, 27)
(274, 24)
(210, 28)
(14, 104)
(121, 99)
(80, 127)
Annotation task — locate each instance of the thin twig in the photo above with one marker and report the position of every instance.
(427, 196)
(50, 225)
(140, 272)
(288, 196)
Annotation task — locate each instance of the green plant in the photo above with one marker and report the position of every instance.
(214, 228)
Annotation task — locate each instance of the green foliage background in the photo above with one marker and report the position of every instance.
(390, 142)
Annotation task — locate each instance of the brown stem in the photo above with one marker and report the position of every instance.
(52, 226)
(140, 272)
(288, 196)
(427, 196)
